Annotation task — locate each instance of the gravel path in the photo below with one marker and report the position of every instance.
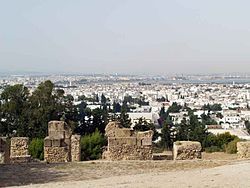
(234, 175)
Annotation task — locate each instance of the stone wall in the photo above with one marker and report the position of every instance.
(19, 149)
(61, 145)
(243, 150)
(187, 150)
(4, 150)
(126, 144)
(56, 154)
(75, 148)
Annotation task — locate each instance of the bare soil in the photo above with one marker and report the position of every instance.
(111, 174)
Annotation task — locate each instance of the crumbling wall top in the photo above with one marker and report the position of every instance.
(59, 130)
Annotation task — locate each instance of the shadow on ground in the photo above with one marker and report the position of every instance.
(25, 174)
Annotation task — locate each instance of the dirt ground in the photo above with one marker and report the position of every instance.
(114, 174)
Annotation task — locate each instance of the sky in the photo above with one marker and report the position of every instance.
(125, 36)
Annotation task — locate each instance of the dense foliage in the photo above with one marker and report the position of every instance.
(36, 148)
(92, 146)
(221, 142)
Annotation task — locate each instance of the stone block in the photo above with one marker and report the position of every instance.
(19, 146)
(146, 141)
(124, 132)
(75, 148)
(20, 159)
(145, 134)
(56, 154)
(59, 129)
(47, 142)
(243, 150)
(57, 142)
(187, 150)
(126, 144)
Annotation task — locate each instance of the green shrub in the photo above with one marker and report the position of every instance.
(212, 149)
(224, 139)
(219, 142)
(231, 147)
(92, 146)
(36, 148)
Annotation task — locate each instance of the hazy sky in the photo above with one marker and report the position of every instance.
(125, 36)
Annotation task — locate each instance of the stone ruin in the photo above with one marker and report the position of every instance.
(14, 150)
(243, 150)
(19, 150)
(186, 150)
(127, 144)
(61, 145)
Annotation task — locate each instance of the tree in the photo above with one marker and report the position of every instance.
(174, 108)
(124, 119)
(182, 130)
(167, 134)
(116, 107)
(43, 108)
(214, 107)
(103, 99)
(13, 108)
(191, 130)
(207, 120)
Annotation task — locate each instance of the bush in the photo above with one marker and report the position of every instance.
(219, 142)
(212, 149)
(36, 148)
(92, 146)
(231, 147)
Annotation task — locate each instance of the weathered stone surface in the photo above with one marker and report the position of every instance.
(56, 154)
(111, 128)
(125, 132)
(187, 150)
(243, 150)
(126, 144)
(4, 150)
(60, 145)
(59, 130)
(75, 148)
(19, 146)
(19, 150)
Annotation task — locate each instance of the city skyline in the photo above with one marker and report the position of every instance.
(125, 37)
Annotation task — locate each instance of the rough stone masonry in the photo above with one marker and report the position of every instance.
(243, 150)
(61, 145)
(19, 150)
(187, 150)
(126, 144)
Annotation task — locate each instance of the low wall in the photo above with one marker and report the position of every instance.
(187, 150)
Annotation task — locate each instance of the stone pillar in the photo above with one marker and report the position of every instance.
(4, 150)
(75, 148)
(19, 149)
(57, 145)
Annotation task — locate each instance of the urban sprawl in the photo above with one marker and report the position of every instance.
(225, 99)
